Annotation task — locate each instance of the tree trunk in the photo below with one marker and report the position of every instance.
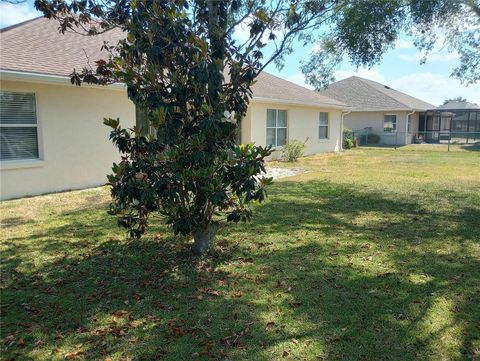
(203, 238)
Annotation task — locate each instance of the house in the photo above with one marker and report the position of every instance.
(52, 136)
(394, 117)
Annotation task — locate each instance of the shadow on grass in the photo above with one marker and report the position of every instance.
(473, 147)
(353, 275)
(14, 221)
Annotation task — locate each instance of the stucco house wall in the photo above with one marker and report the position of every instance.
(374, 120)
(75, 150)
(302, 124)
(74, 146)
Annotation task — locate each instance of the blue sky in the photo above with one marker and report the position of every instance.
(400, 68)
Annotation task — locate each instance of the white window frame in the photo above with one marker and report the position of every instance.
(393, 130)
(320, 125)
(24, 162)
(277, 127)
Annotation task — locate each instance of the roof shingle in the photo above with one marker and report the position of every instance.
(367, 95)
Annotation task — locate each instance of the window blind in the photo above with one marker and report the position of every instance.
(18, 126)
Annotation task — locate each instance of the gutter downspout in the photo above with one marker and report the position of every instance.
(341, 128)
(406, 126)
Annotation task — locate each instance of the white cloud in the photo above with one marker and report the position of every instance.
(441, 51)
(404, 44)
(242, 30)
(371, 74)
(11, 14)
(434, 56)
(435, 88)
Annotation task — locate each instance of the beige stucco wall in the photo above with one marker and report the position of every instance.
(374, 120)
(75, 149)
(302, 124)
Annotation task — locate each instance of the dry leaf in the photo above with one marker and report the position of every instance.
(270, 324)
(73, 355)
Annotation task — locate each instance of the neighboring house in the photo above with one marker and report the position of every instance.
(52, 136)
(379, 109)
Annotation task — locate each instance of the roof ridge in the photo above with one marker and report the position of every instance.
(10, 27)
(366, 81)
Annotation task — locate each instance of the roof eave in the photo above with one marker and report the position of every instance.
(15, 75)
(389, 110)
(297, 102)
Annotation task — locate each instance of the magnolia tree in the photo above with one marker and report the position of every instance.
(191, 79)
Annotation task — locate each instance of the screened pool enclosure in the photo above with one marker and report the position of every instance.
(453, 122)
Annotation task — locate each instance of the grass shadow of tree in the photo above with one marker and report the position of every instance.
(306, 263)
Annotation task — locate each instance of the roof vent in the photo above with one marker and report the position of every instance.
(386, 87)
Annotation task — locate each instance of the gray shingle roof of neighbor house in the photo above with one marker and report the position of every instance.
(36, 46)
(458, 106)
(367, 95)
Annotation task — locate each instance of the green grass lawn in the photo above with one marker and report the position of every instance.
(374, 254)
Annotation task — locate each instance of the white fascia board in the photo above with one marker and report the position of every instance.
(14, 75)
(295, 102)
(353, 110)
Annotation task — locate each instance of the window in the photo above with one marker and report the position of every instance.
(323, 126)
(389, 123)
(409, 124)
(18, 126)
(276, 127)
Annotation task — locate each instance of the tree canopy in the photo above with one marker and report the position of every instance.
(365, 29)
(457, 100)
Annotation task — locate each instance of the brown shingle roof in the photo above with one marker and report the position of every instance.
(36, 46)
(367, 95)
(269, 86)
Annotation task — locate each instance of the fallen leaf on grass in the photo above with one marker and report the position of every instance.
(75, 355)
(120, 313)
(210, 291)
(9, 340)
(237, 294)
(294, 303)
(175, 328)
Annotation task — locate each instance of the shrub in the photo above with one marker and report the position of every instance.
(347, 138)
(373, 138)
(348, 143)
(293, 150)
